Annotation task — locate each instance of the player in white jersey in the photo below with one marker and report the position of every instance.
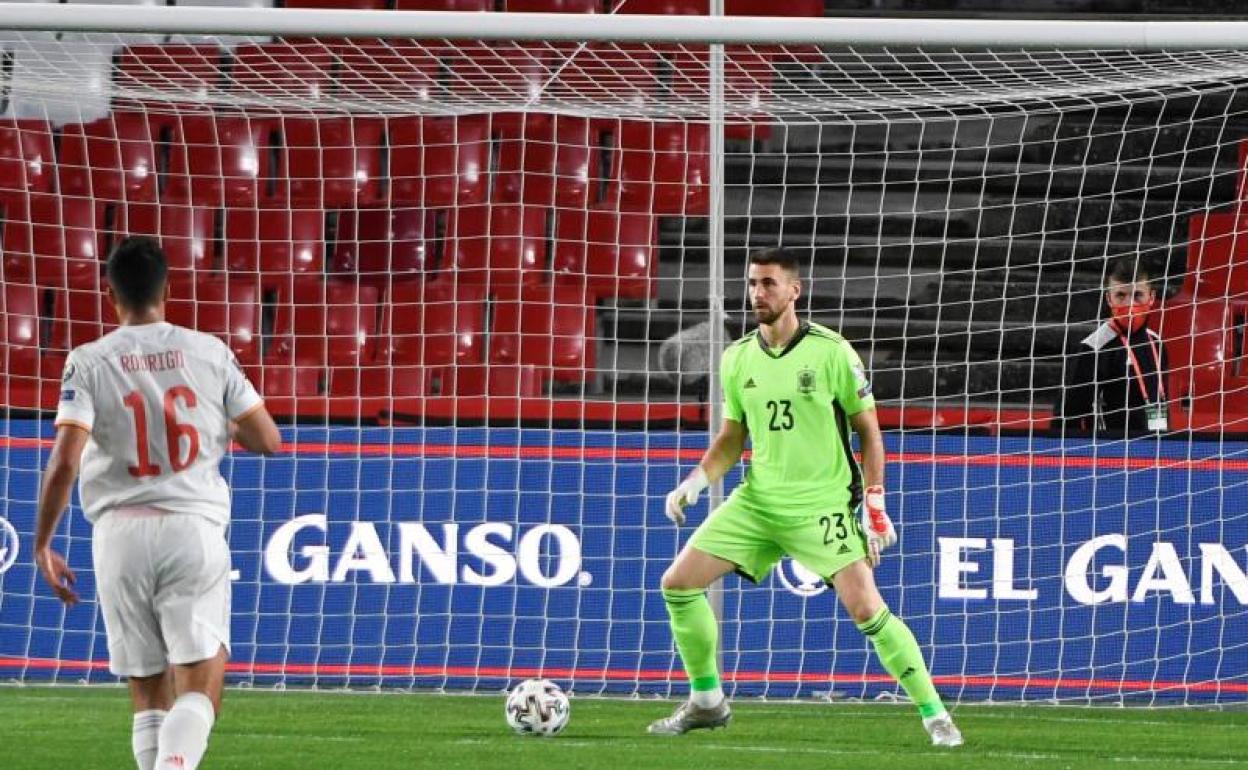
(145, 415)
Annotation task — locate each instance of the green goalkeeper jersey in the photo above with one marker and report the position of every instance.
(796, 404)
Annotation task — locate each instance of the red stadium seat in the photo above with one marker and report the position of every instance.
(443, 5)
(188, 234)
(111, 159)
(52, 241)
(1217, 261)
(1198, 340)
(1204, 392)
(613, 254)
(274, 240)
(215, 160)
(498, 69)
(609, 73)
(439, 161)
(385, 69)
(320, 324)
(551, 328)
(498, 246)
(434, 325)
(663, 168)
(229, 310)
(285, 70)
(356, 5)
(555, 162)
(193, 70)
(383, 244)
(501, 381)
(554, 6)
(20, 322)
(659, 7)
(790, 8)
(26, 157)
(80, 316)
(332, 162)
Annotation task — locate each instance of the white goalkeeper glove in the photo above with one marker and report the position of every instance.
(685, 494)
(876, 524)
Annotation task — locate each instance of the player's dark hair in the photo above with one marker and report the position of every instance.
(1128, 269)
(776, 257)
(137, 271)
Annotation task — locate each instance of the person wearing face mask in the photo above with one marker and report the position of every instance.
(1116, 380)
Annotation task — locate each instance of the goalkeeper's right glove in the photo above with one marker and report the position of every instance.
(685, 494)
(876, 524)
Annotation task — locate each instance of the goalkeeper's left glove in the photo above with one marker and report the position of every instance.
(685, 494)
(876, 524)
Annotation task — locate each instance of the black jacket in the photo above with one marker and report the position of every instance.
(1102, 393)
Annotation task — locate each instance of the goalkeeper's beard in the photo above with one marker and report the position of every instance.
(766, 316)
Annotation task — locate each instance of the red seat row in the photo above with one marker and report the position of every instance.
(329, 337)
(60, 242)
(1200, 321)
(340, 162)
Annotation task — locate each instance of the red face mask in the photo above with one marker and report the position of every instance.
(1131, 318)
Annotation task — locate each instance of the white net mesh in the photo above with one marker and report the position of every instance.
(474, 278)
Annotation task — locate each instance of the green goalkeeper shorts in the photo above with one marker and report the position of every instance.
(824, 543)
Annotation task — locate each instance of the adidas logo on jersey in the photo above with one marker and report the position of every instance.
(748, 384)
(844, 549)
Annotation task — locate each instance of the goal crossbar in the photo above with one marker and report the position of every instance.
(743, 30)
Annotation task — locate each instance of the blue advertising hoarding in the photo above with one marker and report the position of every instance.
(467, 558)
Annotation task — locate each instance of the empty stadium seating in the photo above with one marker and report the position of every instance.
(319, 325)
(192, 69)
(501, 246)
(554, 6)
(51, 240)
(229, 309)
(215, 160)
(332, 162)
(434, 325)
(614, 254)
(548, 327)
(291, 71)
(663, 168)
(27, 160)
(390, 69)
(111, 159)
(556, 162)
(441, 161)
(274, 241)
(380, 245)
(186, 233)
(1217, 261)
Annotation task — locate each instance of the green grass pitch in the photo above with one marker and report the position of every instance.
(63, 727)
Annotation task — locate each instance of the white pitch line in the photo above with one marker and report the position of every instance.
(1014, 756)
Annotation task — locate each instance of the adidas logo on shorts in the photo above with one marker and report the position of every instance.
(844, 549)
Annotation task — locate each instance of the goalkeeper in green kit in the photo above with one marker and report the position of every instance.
(796, 389)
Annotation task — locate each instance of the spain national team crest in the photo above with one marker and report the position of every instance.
(806, 381)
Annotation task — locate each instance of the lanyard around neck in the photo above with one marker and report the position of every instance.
(1135, 365)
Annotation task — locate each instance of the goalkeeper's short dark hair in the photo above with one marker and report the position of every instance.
(776, 256)
(1128, 269)
(137, 271)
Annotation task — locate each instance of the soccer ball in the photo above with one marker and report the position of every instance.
(537, 707)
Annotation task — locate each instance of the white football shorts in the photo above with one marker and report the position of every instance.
(163, 582)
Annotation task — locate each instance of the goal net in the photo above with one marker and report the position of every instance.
(484, 284)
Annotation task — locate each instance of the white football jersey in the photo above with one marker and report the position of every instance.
(157, 400)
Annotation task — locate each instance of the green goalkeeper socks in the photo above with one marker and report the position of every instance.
(693, 626)
(900, 654)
